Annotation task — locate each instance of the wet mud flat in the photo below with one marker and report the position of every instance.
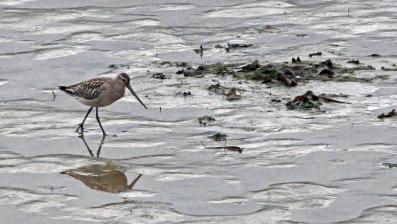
(258, 113)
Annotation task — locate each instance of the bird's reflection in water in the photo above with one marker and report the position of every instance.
(106, 177)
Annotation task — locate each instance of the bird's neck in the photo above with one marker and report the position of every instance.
(118, 89)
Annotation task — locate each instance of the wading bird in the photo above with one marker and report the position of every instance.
(99, 92)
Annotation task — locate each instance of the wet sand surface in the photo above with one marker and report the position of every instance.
(159, 167)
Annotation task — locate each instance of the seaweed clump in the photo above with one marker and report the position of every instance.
(306, 101)
(218, 137)
(289, 74)
(204, 120)
(392, 113)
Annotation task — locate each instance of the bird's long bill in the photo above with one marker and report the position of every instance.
(136, 96)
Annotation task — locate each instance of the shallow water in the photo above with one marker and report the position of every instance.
(296, 167)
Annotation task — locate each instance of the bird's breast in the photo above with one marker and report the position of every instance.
(117, 93)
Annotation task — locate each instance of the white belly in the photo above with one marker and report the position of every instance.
(103, 100)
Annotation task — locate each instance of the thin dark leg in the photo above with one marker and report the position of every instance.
(81, 126)
(86, 145)
(98, 152)
(99, 121)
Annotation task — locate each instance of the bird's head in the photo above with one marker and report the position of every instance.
(124, 77)
(126, 80)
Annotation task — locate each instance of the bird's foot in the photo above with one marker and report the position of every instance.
(81, 128)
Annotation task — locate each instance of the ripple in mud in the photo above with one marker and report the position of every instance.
(56, 205)
(251, 10)
(57, 53)
(167, 176)
(3, 82)
(297, 195)
(381, 214)
(32, 202)
(43, 164)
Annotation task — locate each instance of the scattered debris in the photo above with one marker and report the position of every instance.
(392, 113)
(192, 72)
(309, 101)
(319, 53)
(199, 50)
(297, 60)
(203, 121)
(117, 66)
(174, 64)
(375, 55)
(390, 165)
(388, 69)
(262, 74)
(235, 46)
(327, 72)
(232, 95)
(275, 100)
(267, 29)
(368, 67)
(230, 148)
(184, 94)
(327, 63)
(218, 137)
(327, 98)
(354, 61)
(288, 78)
(288, 74)
(159, 75)
(218, 89)
(306, 101)
(250, 67)
(231, 46)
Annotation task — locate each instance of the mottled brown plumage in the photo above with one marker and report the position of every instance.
(90, 89)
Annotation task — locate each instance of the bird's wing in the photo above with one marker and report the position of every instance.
(89, 89)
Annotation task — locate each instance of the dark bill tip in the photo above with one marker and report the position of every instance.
(136, 96)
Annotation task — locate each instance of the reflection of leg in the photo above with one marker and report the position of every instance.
(81, 126)
(99, 121)
(134, 182)
(100, 146)
(224, 149)
(86, 145)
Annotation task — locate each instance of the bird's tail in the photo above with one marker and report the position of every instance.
(65, 89)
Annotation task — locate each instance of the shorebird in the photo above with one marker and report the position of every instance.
(99, 92)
